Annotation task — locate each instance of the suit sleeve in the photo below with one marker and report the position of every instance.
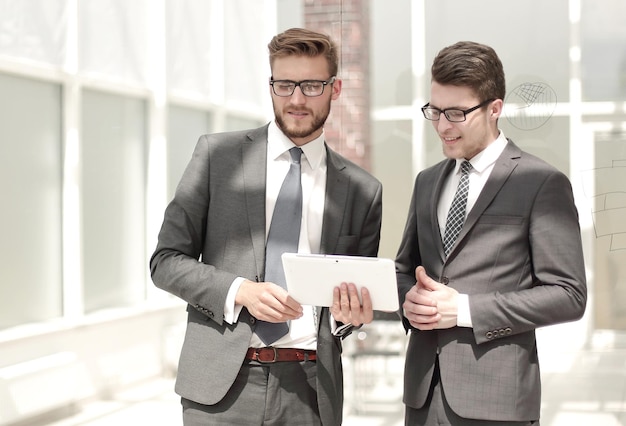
(175, 265)
(408, 257)
(550, 283)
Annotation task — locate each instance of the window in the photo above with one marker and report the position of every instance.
(185, 126)
(30, 217)
(113, 200)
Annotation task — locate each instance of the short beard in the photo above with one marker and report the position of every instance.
(300, 133)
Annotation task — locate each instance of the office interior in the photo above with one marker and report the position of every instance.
(102, 102)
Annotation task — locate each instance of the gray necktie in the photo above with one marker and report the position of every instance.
(456, 214)
(283, 237)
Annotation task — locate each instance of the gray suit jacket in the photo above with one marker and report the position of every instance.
(214, 231)
(519, 258)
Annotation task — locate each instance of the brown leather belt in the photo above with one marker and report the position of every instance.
(270, 355)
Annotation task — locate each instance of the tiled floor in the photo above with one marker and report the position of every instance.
(582, 387)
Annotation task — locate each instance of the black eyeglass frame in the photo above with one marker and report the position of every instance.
(445, 111)
(331, 80)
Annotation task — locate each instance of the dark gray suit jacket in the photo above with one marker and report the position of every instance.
(214, 231)
(519, 258)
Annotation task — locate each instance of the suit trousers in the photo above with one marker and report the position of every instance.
(437, 412)
(263, 394)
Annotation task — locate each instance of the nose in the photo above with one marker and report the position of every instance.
(297, 97)
(442, 123)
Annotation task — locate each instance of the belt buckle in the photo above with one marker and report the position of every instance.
(266, 350)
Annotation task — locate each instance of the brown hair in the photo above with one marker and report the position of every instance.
(303, 42)
(472, 65)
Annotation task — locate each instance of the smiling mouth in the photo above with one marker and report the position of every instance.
(450, 139)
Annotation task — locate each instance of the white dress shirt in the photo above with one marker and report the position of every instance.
(303, 331)
(482, 165)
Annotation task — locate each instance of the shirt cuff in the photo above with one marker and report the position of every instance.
(463, 319)
(231, 310)
(338, 329)
(343, 331)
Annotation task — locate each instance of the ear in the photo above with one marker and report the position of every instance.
(495, 109)
(336, 89)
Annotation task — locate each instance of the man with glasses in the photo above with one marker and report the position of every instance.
(252, 355)
(491, 251)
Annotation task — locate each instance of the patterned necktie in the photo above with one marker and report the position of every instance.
(456, 214)
(284, 235)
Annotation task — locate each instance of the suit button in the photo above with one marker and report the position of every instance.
(252, 320)
(445, 280)
(489, 335)
(508, 331)
(501, 332)
(202, 309)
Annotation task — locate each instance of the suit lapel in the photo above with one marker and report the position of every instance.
(446, 169)
(337, 184)
(254, 160)
(503, 168)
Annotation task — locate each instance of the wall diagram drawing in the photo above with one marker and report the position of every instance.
(606, 189)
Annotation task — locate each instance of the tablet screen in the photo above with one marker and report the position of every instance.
(311, 278)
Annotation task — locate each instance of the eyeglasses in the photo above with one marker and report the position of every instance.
(453, 115)
(308, 87)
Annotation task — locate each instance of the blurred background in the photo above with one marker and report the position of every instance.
(102, 102)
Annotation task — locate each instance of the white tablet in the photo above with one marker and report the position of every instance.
(312, 277)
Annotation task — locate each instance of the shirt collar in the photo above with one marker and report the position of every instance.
(485, 158)
(278, 144)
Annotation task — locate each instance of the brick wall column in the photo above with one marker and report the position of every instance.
(347, 22)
